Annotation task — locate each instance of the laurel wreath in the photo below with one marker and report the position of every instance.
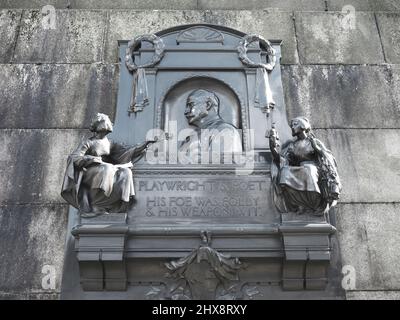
(159, 51)
(242, 50)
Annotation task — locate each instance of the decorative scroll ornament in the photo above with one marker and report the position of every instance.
(139, 91)
(202, 271)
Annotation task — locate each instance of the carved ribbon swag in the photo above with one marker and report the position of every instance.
(263, 95)
(140, 98)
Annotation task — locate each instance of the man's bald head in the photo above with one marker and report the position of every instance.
(208, 97)
(201, 104)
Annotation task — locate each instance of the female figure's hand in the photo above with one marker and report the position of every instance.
(89, 160)
(274, 145)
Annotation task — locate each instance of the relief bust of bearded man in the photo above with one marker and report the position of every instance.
(212, 134)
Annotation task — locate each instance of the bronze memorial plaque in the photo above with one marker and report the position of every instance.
(200, 188)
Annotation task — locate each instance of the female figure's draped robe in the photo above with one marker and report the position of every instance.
(300, 183)
(96, 179)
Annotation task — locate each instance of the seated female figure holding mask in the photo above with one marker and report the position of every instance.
(99, 178)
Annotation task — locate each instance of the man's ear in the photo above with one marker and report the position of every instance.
(209, 105)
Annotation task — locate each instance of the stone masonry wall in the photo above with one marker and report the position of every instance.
(346, 80)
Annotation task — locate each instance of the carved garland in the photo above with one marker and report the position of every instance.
(263, 98)
(242, 50)
(159, 49)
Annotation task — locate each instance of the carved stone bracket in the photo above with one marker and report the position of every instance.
(100, 253)
(204, 273)
(307, 255)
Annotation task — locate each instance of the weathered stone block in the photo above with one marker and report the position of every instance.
(125, 25)
(56, 95)
(287, 5)
(333, 37)
(30, 238)
(368, 236)
(78, 37)
(34, 4)
(344, 96)
(9, 22)
(271, 25)
(373, 295)
(389, 26)
(385, 5)
(359, 5)
(368, 162)
(365, 5)
(134, 4)
(33, 162)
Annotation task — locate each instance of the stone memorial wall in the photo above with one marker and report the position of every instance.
(339, 69)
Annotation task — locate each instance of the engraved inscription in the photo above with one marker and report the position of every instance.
(202, 198)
